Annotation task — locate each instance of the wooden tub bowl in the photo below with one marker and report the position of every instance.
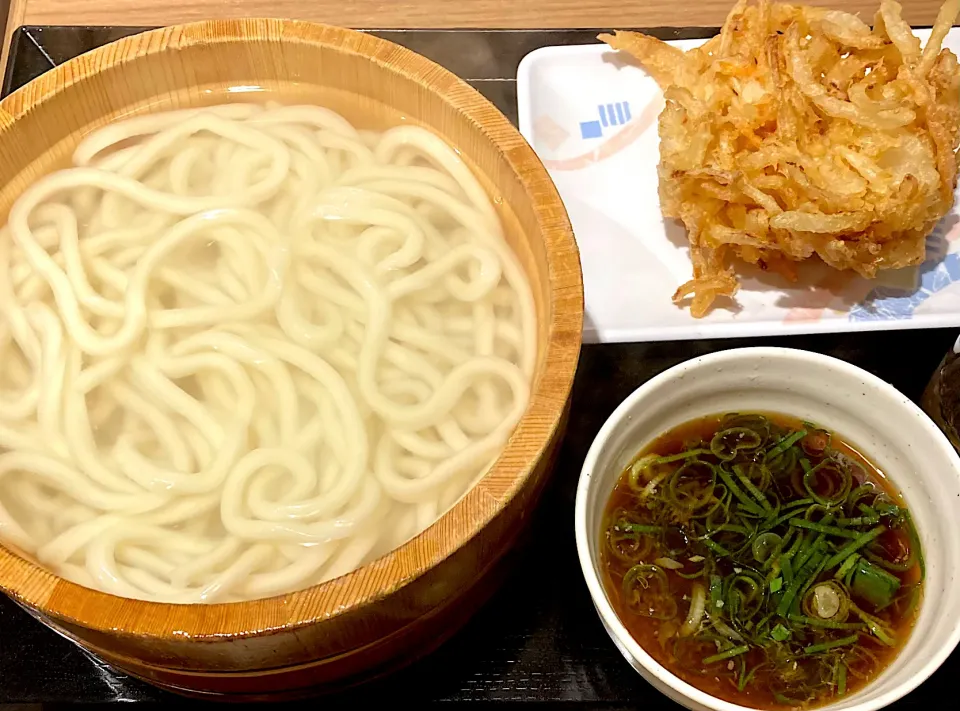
(400, 606)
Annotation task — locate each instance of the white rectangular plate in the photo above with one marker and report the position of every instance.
(592, 119)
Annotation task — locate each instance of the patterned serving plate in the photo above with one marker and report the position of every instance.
(592, 119)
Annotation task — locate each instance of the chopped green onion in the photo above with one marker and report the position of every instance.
(915, 547)
(787, 567)
(913, 598)
(855, 545)
(780, 633)
(746, 678)
(858, 521)
(897, 566)
(806, 549)
(751, 487)
(820, 528)
(827, 646)
(745, 500)
(828, 465)
(797, 544)
(827, 624)
(670, 458)
(886, 508)
(729, 654)
(781, 532)
(783, 519)
(786, 443)
(799, 580)
(638, 468)
(876, 627)
(716, 587)
(716, 547)
(873, 584)
(638, 528)
(764, 545)
(799, 503)
(846, 567)
(684, 485)
(742, 439)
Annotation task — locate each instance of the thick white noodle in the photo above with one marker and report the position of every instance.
(249, 348)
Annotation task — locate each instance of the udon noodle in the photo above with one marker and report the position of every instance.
(247, 349)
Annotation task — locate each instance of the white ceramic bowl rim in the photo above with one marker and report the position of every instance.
(682, 690)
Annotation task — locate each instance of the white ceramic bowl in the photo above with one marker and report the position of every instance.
(867, 412)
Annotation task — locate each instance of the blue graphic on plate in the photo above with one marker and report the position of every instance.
(939, 271)
(610, 115)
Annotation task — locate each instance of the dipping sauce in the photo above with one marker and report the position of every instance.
(762, 560)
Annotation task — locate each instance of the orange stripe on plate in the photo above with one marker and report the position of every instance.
(814, 302)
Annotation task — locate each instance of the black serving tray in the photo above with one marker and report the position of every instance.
(539, 639)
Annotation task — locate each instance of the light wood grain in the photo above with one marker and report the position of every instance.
(12, 18)
(4, 12)
(426, 13)
(411, 13)
(406, 601)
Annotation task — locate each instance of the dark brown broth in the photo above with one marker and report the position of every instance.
(719, 679)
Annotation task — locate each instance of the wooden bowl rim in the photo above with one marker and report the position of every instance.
(106, 613)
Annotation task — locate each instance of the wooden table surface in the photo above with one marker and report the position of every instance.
(501, 14)
(418, 13)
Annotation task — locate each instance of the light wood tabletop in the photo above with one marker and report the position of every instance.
(419, 13)
(500, 14)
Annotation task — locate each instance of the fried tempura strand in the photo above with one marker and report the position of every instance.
(802, 133)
